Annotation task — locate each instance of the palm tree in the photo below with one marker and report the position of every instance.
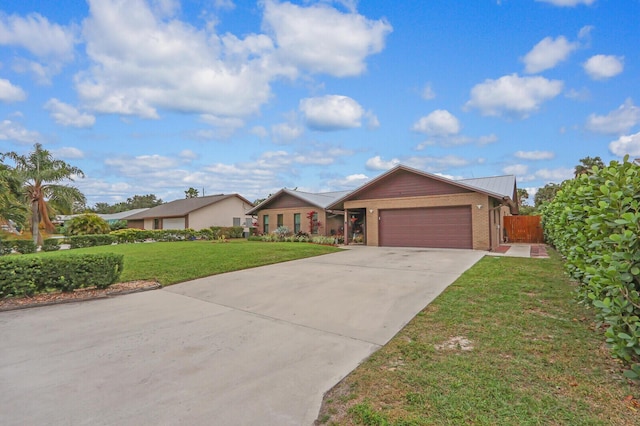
(40, 175)
(11, 207)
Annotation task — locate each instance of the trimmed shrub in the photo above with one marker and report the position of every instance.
(24, 246)
(82, 241)
(51, 244)
(25, 276)
(131, 235)
(87, 224)
(594, 222)
(6, 247)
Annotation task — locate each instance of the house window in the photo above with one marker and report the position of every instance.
(265, 224)
(315, 223)
(296, 223)
(156, 223)
(280, 220)
(236, 221)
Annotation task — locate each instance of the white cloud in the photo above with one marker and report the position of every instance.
(626, 145)
(516, 169)
(286, 132)
(259, 131)
(36, 34)
(554, 175)
(534, 155)
(377, 163)
(602, 67)
(513, 95)
(547, 54)
(67, 115)
(438, 123)
(428, 92)
(427, 163)
(68, 152)
(224, 4)
(52, 44)
(141, 62)
(321, 39)
(618, 121)
(331, 112)
(372, 120)
(349, 182)
(12, 131)
(225, 126)
(579, 95)
(187, 154)
(567, 3)
(11, 93)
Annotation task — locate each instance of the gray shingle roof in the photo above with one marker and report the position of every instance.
(179, 208)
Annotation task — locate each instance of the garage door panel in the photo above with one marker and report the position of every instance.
(441, 227)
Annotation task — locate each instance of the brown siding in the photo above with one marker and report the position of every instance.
(441, 227)
(405, 184)
(286, 201)
(136, 224)
(328, 222)
(481, 220)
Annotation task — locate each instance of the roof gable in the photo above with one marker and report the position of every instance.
(287, 198)
(403, 181)
(406, 183)
(179, 208)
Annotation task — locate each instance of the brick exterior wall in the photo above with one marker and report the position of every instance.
(329, 221)
(484, 220)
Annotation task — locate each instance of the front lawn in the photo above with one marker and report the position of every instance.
(174, 262)
(505, 344)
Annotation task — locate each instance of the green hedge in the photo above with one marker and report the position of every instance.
(594, 222)
(51, 244)
(82, 241)
(25, 276)
(21, 246)
(133, 235)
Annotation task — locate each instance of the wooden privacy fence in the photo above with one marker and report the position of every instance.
(524, 229)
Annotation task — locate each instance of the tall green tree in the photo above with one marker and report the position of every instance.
(546, 194)
(143, 201)
(586, 164)
(11, 205)
(191, 193)
(41, 180)
(522, 195)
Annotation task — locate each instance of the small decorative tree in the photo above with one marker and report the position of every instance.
(314, 224)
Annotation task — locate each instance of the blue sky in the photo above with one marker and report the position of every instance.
(156, 96)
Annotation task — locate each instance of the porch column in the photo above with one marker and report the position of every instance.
(345, 227)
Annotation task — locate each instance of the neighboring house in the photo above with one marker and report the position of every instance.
(110, 218)
(195, 213)
(291, 208)
(405, 207)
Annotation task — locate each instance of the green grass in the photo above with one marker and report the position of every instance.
(535, 358)
(174, 262)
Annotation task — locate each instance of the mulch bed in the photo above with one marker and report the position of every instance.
(79, 295)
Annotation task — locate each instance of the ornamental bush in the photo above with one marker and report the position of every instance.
(87, 224)
(27, 275)
(594, 222)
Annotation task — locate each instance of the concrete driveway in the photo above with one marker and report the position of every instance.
(259, 346)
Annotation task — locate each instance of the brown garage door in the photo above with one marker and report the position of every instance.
(441, 227)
